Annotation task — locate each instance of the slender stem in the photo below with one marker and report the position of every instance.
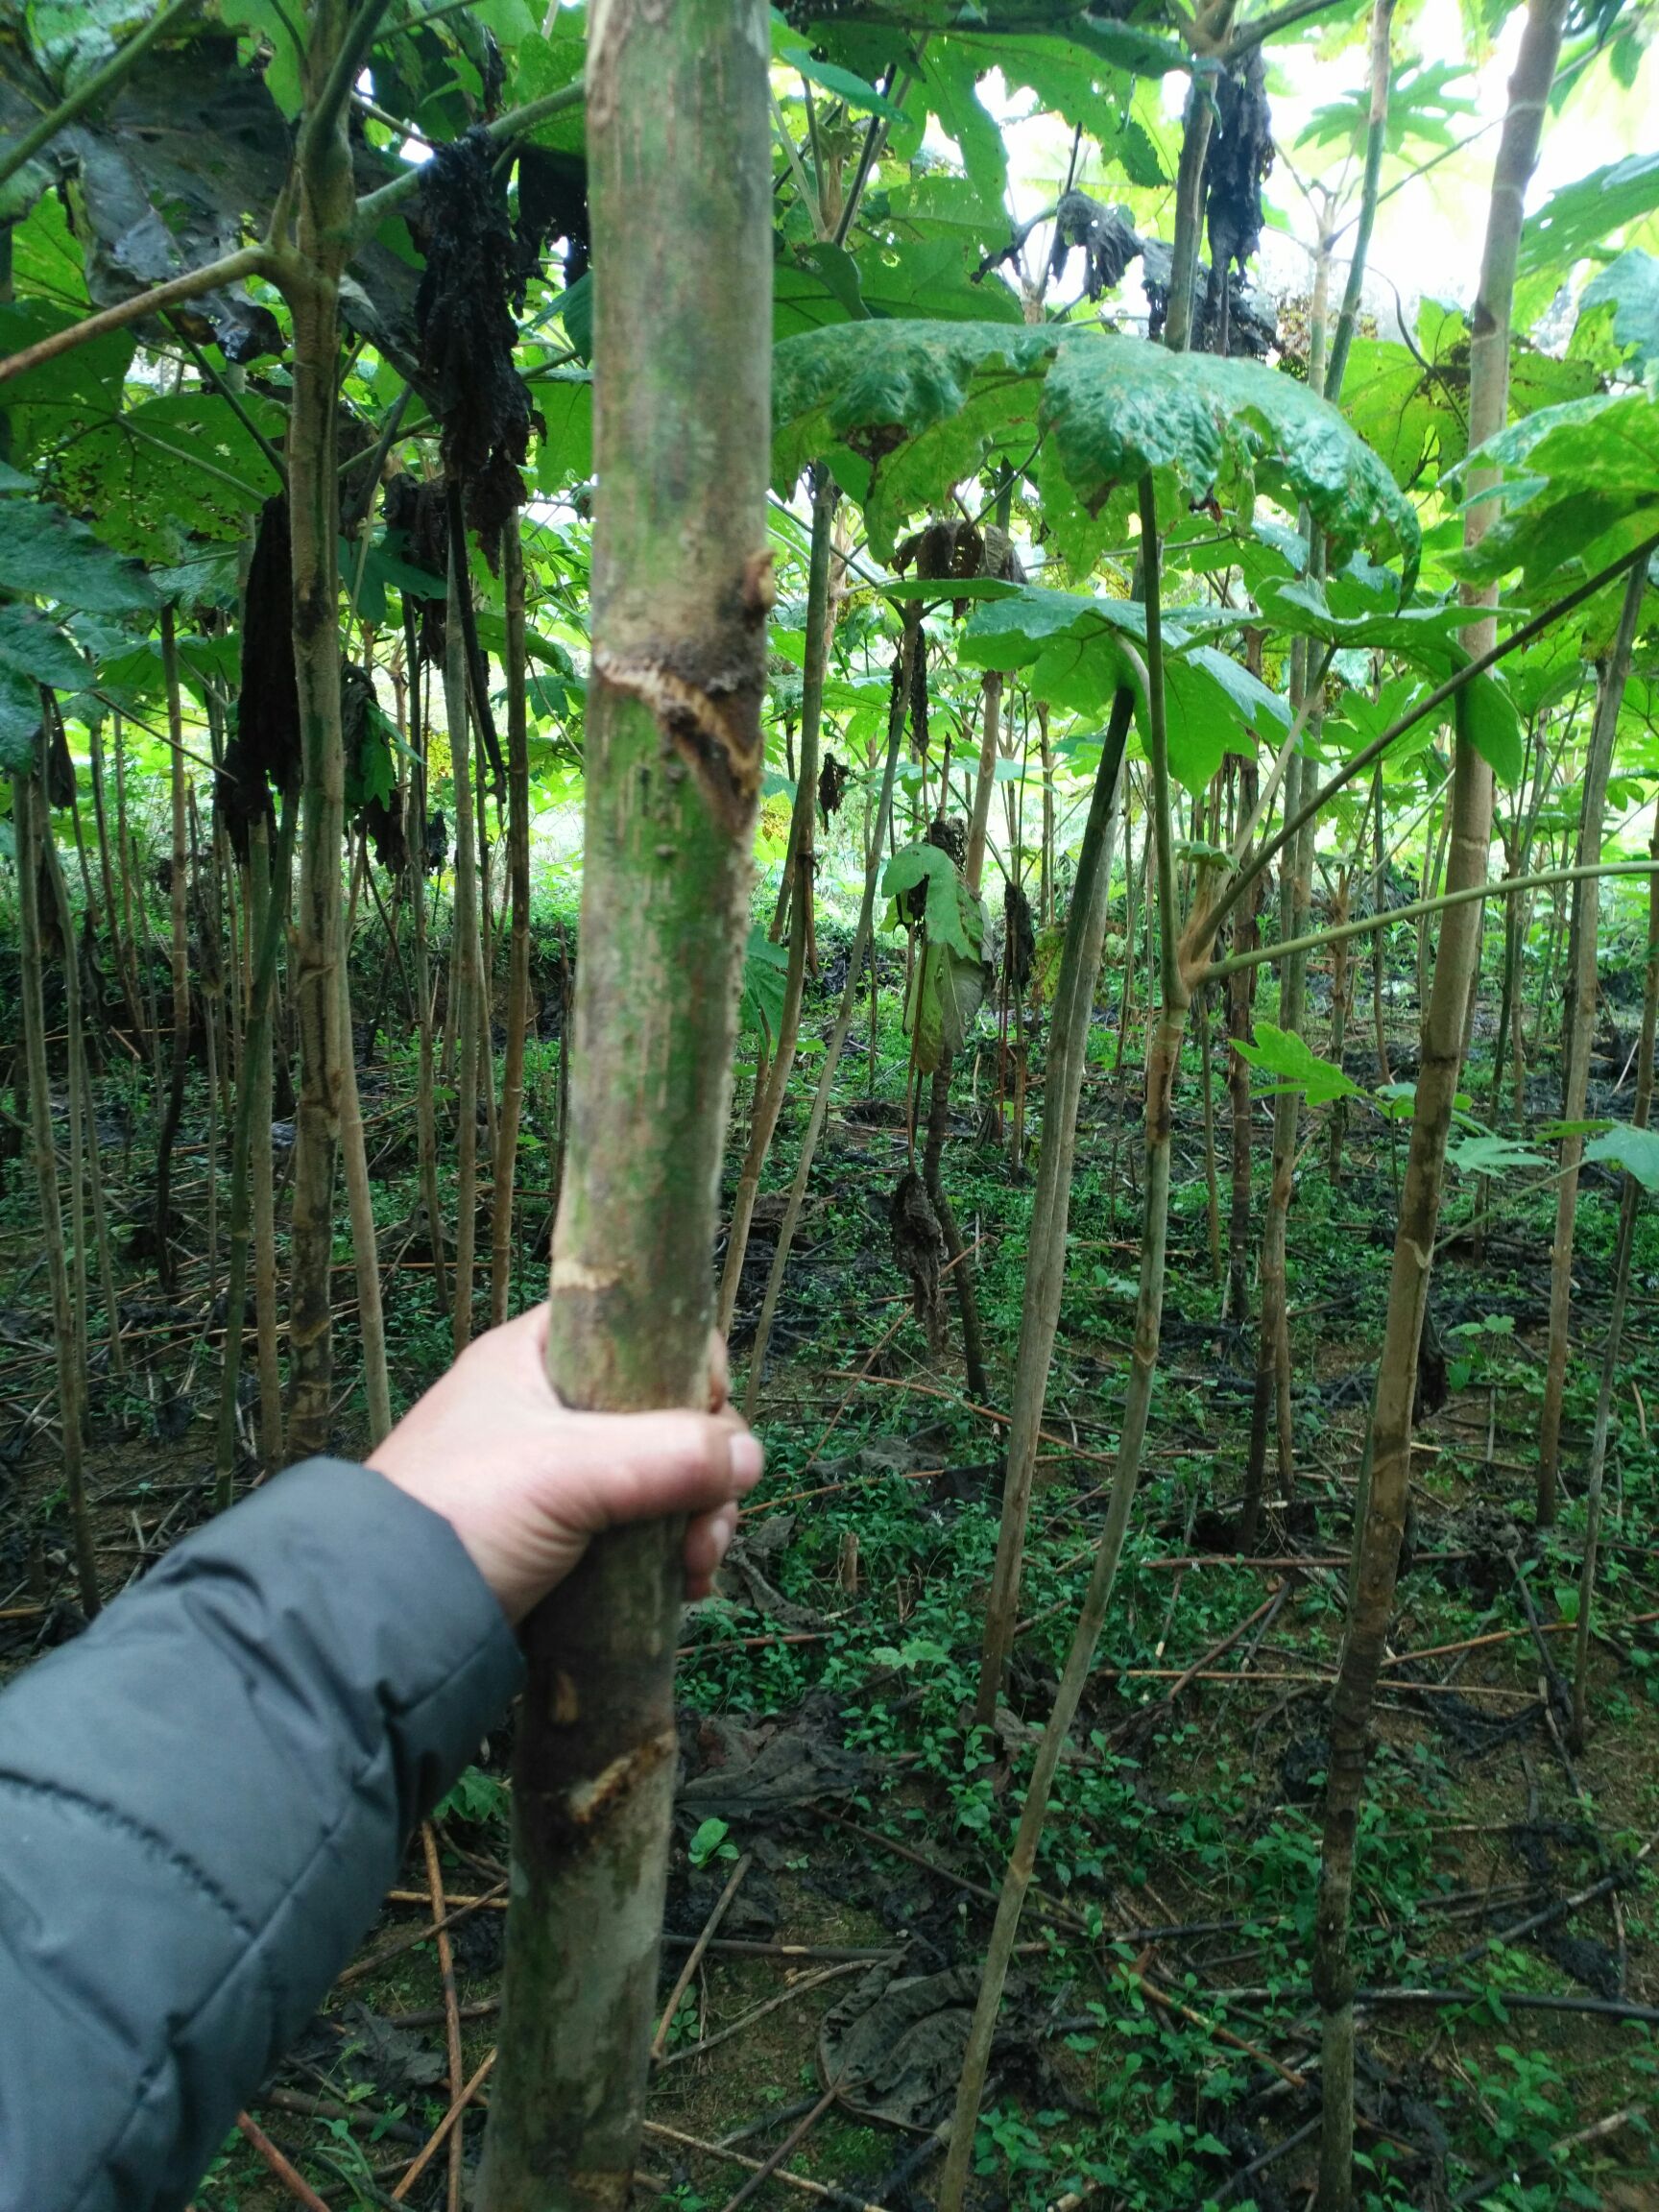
(1430, 703)
(374, 206)
(1375, 139)
(1505, 886)
(1162, 1062)
(246, 261)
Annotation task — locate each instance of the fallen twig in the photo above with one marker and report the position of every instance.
(722, 1905)
(441, 2132)
(294, 2181)
(796, 2181)
(757, 2013)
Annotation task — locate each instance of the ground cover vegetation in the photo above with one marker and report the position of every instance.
(754, 722)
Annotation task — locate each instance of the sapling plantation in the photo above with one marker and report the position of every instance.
(761, 670)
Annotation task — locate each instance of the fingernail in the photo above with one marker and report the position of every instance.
(747, 1460)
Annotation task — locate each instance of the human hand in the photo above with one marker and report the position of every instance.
(526, 1481)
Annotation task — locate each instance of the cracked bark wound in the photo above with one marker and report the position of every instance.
(682, 257)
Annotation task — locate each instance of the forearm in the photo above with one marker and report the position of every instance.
(204, 1800)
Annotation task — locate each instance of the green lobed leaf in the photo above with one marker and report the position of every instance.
(19, 719)
(1281, 1052)
(918, 405)
(1484, 1154)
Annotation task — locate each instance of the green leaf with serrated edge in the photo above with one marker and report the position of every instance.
(947, 918)
(843, 83)
(46, 554)
(19, 720)
(1635, 1150)
(1281, 1052)
(1581, 482)
(32, 646)
(1577, 220)
(950, 75)
(940, 396)
(1214, 705)
(1116, 408)
(1630, 286)
(1425, 637)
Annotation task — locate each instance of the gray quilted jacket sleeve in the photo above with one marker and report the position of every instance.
(202, 1801)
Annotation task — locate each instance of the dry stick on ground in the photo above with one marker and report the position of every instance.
(1380, 1512)
(451, 2014)
(1597, 2132)
(784, 1997)
(295, 2183)
(790, 2144)
(694, 1957)
(402, 1944)
(447, 2129)
(796, 2181)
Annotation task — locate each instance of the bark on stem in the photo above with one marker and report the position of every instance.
(253, 1104)
(802, 855)
(862, 934)
(33, 823)
(1581, 1019)
(1376, 140)
(682, 583)
(1372, 1593)
(518, 958)
(467, 968)
(326, 208)
(1163, 1059)
(1050, 1210)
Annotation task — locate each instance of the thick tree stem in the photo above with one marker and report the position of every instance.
(1371, 1595)
(682, 583)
